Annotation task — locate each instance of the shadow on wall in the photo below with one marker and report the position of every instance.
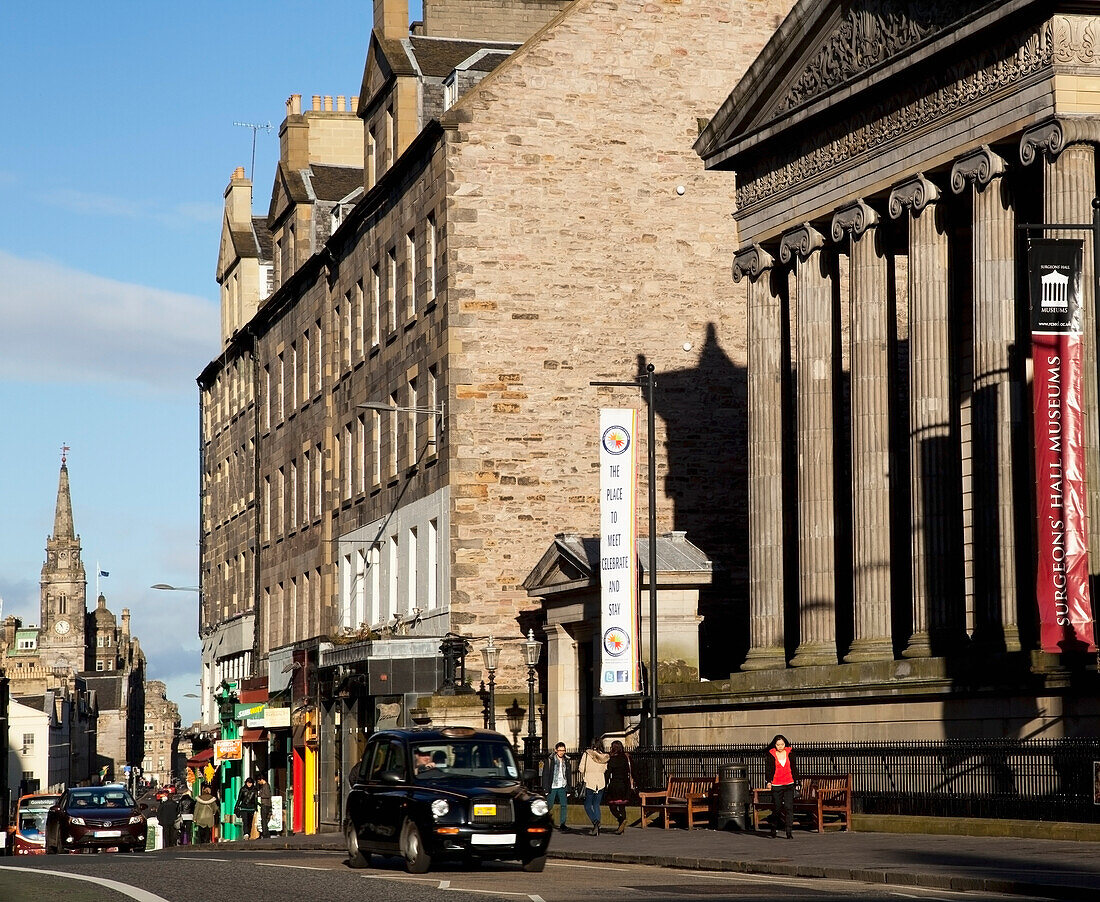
(705, 472)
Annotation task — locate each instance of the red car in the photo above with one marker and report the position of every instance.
(92, 818)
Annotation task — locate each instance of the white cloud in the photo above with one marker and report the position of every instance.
(63, 325)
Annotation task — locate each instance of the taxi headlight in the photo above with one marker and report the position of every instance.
(440, 807)
(79, 821)
(539, 808)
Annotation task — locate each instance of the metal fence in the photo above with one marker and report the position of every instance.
(1043, 779)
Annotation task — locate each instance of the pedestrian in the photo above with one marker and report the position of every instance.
(620, 784)
(187, 818)
(206, 815)
(593, 771)
(245, 808)
(168, 812)
(555, 784)
(263, 795)
(781, 776)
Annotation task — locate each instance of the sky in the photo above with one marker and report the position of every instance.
(118, 145)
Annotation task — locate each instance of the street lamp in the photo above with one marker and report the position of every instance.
(491, 653)
(531, 650)
(514, 712)
(649, 383)
(437, 412)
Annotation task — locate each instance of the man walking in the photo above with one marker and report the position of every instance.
(168, 812)
(263, 795)
(555, 783)
(245, 808)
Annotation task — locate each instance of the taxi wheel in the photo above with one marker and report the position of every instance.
(356, 858)
(535, 865)
(417, 860)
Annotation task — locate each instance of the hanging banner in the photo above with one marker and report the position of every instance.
(619, 626)
(1062, 575)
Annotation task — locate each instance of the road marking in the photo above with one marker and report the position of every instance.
(448, 887)
(132, 891)
(444, 884)
(536, 899)
(293, 867)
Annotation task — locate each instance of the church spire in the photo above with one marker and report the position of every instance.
(63, 516)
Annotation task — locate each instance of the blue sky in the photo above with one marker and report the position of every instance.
(117, 146)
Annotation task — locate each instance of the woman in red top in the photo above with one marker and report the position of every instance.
(781, 776)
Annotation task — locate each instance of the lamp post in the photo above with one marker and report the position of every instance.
(165, 587)
(649, 383)
(531, 650)
(514, 712)
(491, 653)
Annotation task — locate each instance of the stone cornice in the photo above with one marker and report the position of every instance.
(752, 261)
(913, 194)
(801, 241)
(1054, 135)
(979, 167)
(854, 219)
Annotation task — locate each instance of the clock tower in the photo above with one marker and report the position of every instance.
(63, 587)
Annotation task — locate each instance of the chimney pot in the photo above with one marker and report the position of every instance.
(328, 103)
(340, 102)
(238, 173)
(294, 104)
(316, 102)
(354, 105)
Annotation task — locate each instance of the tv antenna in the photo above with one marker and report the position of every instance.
(255, 126)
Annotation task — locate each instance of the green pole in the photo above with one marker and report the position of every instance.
(231, 773)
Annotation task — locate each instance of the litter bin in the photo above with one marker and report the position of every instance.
(733, 797)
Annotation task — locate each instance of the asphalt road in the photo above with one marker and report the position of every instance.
(248, 875)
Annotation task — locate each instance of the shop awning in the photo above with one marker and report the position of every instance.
(201, 758)
(254, 735)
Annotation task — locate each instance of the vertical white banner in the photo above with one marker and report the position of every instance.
(619, 672)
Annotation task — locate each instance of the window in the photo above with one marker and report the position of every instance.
(410, 580)
(282, 383)
(433, 403)
(305, 365)
(375, 305)
(27, 644)
(318, 354)
(306, 509)
(414, 419)
(391, 287)
(429, 258)
(294, 494)
(376, 447)
(360, 320)
(99, 665)
(393, 424)
(410, 275)
(372, 156)
(336, 461)
(317, 480)
(391, 133)
(293, 376)
(433, 565)
(361, 456)
(28, 741)
(345, 330)
(280, 500)
(391, 597)
(267, 397)
(267, 507)
(349, 457)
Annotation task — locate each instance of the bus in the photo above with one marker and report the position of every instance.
(29, 829)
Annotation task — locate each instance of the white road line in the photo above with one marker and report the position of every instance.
(292, 867)
(132, 891)
(450, 889)
(536, 899)
(587, 867)
(444, 884)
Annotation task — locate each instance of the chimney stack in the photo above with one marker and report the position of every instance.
(238, 199)
(391, 19)
(294, 105)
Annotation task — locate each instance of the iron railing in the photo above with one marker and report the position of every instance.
(1039, 779)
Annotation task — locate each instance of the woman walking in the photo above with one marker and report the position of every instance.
(593, 771)
(620, 784)
(781, 776)
(206, 815)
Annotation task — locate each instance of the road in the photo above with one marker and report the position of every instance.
(244, 875)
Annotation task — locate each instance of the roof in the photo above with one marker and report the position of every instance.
(439, 57)
(109, 689)
(573, 562)
(335, 182)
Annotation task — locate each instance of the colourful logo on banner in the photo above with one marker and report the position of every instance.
(615, 641)
(616, 440)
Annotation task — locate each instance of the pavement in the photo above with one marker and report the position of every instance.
(1046, 868)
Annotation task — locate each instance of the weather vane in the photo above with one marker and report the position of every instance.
(64, 453)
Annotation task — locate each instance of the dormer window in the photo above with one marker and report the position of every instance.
(450, 91)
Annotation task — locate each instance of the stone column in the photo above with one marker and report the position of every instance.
(766, 291)
(1068, 153)
(815, 386)
(936, 600)
(996, 396)
(872, 323)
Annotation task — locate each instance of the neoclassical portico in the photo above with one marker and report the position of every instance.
(884, 154)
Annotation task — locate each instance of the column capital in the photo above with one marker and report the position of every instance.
(913, 194)
(802, 241)
(979, 166)
(752, 261)
(1054, 135)
(855, 217)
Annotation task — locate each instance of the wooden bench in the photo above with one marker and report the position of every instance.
(688, 796)
(820, 795)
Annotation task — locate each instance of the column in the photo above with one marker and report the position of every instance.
(936, 587)
(1068, 157)
(996, 401)
(814, 388)
(766, 291)
(871, 378)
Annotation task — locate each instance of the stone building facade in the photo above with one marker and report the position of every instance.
(548, 227)
(161, 735)
(885, 153)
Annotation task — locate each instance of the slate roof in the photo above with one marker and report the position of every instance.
(335, 182)
(108, 689)
(439, 57)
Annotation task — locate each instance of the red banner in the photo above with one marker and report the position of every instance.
(1062, 574)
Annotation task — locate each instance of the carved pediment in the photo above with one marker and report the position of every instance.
(869, 33)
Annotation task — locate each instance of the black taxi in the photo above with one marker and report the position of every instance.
(450, 792)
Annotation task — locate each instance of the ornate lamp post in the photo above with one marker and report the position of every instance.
(531, 651)
(514, 712)
(491, 654)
